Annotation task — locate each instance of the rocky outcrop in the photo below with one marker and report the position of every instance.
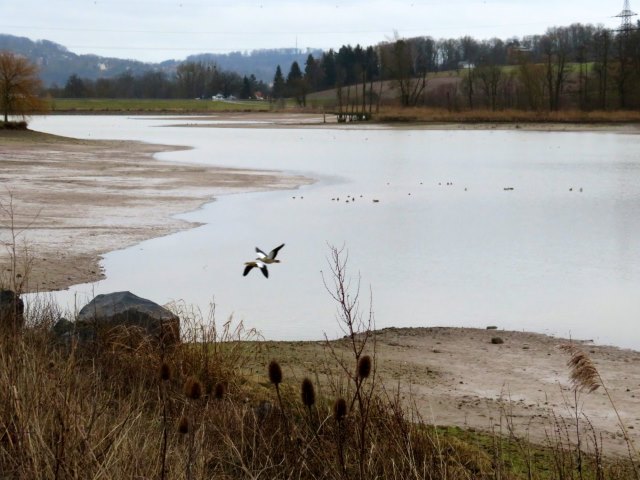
(110, 314)
(11, 311)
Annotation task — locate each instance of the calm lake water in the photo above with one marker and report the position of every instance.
(539, 257)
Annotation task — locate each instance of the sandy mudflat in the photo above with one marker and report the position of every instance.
(456, 376)
(76, 200)
(80, 199)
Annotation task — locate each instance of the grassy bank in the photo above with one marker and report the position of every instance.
(431, 115)
(320, 102)
(30, 137)
(219, 406)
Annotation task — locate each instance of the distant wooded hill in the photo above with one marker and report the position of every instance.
(57, 63)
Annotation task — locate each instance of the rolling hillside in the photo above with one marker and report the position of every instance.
(57, 63)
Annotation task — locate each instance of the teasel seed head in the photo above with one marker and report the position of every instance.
(308, 393)
(584, 374)
(165, 372)
(364, 367)
(219, 391)
(340, 409)
(193, 388)
(183, 425)
(275, 373)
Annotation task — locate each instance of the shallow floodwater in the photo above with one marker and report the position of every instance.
(543, 256)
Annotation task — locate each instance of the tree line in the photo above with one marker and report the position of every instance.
(191, 80)
(579, 66)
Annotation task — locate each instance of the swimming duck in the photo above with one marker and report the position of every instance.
(262, 261)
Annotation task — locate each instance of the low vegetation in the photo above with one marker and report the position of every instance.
(220, 406)
(442, 115)
(22, 125)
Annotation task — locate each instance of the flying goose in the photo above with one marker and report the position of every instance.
(262, 261)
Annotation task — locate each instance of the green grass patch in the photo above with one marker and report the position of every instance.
(114, 105)
(517, 458)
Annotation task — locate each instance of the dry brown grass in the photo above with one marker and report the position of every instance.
(433, 115)
(133, 410)
(105, 412)
(586, 377)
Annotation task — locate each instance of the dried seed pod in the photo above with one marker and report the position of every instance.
(193, 388)
(340, 409)
(183, 425)
(219, 391)
(275, 373)
(308, 393)
(364, 367)
(165, 372)
(584, 374)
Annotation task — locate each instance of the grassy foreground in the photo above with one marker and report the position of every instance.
(126, 407)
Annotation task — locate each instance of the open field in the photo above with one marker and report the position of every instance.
(124, 105)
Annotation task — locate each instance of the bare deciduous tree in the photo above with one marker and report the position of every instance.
(555, 49)
(408, 69)
(491, 79)
(532, 82)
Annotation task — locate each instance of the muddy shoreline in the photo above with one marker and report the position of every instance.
(457, 376)
(78, 199)
(72, 201)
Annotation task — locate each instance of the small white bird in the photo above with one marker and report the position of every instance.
(262, 261)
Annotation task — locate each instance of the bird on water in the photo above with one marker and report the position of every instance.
(262, 261)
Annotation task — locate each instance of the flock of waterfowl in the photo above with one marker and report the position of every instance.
(265, 259)
(352, 199)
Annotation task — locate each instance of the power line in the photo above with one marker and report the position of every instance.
(625, 18)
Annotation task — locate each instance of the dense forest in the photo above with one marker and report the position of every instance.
(583, 67)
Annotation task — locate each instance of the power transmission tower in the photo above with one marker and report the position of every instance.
(625, 18)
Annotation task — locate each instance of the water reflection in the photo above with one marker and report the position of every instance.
(543, 256)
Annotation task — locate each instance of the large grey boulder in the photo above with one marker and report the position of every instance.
(108, 313)
(11, 311)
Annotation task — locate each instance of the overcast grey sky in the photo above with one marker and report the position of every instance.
(155, 30)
